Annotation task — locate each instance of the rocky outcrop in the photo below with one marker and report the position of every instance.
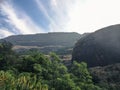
(99, 48)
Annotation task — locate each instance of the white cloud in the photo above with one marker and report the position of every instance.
(4, 33)
(60, 10)
(93, 15)
(54, 2)
(58, 18)
(43, 9)
(47, 15)
(85, 15)
(21, 21)
(68, 15)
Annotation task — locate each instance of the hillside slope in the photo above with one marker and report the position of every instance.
(45, 39)
(99, 48)
(45, 42)
(107, 77)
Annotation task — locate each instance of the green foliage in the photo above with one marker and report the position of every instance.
(40, 72)
(82, 76)
(22, 82)
(5, 47)
(81, 72)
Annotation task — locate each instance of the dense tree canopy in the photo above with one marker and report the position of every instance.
(40, 72)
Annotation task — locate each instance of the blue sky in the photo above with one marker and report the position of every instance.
(41, 16)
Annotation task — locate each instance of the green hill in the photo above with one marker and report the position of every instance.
(45, 42)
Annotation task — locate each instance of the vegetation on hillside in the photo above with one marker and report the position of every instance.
(45, 39)
(45, 42)
(39, 72)
(107, 77)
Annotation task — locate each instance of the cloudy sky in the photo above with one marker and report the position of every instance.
(40, 16)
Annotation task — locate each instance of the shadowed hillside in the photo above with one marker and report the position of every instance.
(99, 48)
(107, 77)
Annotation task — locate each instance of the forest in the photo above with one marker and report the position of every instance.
(37, 71)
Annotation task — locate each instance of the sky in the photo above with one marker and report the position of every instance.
(42, 16)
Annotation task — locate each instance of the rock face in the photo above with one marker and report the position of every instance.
(99, 48)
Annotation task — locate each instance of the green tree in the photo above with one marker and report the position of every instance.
(82, 77)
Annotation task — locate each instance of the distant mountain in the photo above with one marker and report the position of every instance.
(45, 42)
(99, 48)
